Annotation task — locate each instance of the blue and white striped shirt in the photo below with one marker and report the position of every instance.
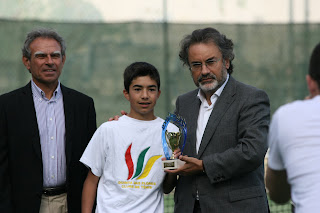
(51, 124)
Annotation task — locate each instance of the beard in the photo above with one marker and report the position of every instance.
(214, 84)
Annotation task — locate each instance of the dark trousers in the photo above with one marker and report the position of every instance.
(197, 208)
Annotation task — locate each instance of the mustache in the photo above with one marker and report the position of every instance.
(208, 76)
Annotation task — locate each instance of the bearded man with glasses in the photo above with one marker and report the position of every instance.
(228, 124)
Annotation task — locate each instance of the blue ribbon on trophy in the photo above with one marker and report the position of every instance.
(172, 140)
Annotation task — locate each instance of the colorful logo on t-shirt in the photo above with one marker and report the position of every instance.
(140, 162)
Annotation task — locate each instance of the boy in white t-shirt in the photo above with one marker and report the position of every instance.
(124, 156)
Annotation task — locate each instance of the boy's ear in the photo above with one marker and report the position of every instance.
(159, 92)
(126, 94)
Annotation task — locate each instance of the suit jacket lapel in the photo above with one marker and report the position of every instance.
(69, 118)
(191, 116)
(29, 112)
(220, 108)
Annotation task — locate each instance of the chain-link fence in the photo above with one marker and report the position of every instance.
(274, 208)
(271, 57)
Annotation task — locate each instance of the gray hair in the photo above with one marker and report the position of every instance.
(207, 35)
(42, 33)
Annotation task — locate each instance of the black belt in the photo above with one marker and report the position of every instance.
(52, 191)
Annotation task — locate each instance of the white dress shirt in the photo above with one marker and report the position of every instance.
(205, 112)
(51, 124)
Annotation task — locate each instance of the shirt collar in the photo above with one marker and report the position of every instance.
(37, 92)
(217, 93)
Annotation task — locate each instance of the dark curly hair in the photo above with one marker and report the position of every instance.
(206, 35)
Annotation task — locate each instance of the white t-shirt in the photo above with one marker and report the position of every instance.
(126, 155)
(294, 141)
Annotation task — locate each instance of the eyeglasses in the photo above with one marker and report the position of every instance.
(210, 64)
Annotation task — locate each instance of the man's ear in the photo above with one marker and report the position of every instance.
(227, 63)
(26, 62)
(312, 86)
(126, 94)
(64, 59)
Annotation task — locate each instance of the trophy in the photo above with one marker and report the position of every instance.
(172, 140)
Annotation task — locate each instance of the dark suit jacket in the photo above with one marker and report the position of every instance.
(233, 147)
(21, 172)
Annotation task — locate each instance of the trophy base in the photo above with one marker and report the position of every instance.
(172, 164)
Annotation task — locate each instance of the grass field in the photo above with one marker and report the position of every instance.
(274, 208)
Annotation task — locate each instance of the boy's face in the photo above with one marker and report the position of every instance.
(143, 95)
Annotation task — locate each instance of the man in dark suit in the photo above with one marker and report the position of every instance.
(227, 125)
(44, 129)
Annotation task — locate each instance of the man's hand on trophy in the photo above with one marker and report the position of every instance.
(191, 166)
(116, 117)
(176, 153)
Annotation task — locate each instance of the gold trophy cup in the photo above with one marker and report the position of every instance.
(173, 140)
